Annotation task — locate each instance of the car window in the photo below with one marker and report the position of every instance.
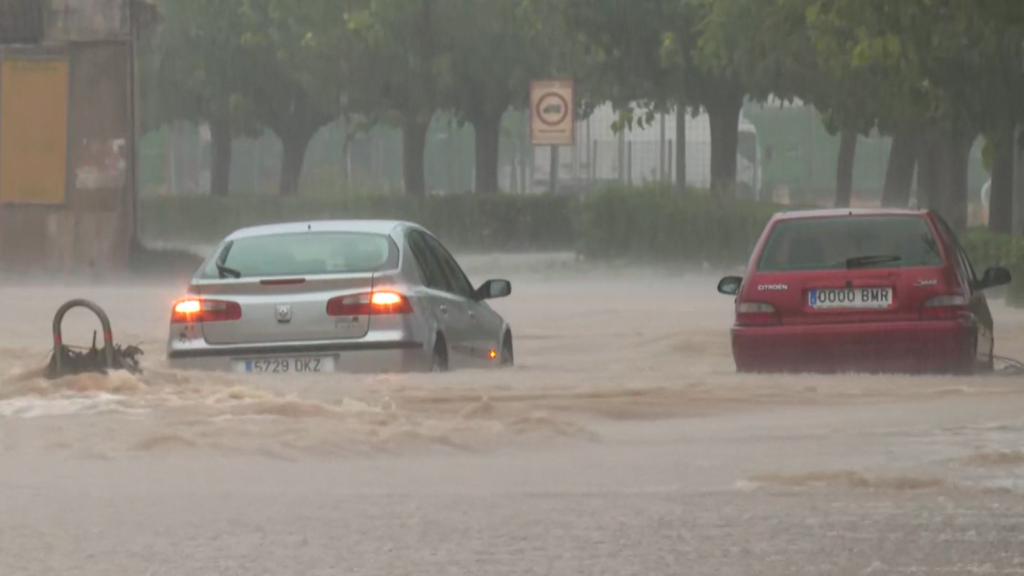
(830, 243)
(456, 277)
(430, 268)
(304, 254)
(963, 261)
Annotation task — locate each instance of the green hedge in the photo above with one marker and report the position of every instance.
(986, 249)
(646, 224)
(479, 222)
(663, 225)
(638, 225)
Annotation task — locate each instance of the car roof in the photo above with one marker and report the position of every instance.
(840, 212)
(363, 226)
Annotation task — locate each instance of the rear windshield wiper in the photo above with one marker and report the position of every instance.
(866, 261)
(223, 271)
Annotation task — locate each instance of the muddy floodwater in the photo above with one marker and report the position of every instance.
(622, 443)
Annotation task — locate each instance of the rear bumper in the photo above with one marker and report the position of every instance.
(349, 357)
(915, 347)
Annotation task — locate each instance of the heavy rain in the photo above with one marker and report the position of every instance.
(614, 161)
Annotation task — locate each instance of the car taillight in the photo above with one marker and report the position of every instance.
(756, 314)
(374, 303)
(949, 307)
(200, 310)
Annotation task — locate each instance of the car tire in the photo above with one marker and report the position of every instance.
(439, 358)
(508, 358)
(969, 364)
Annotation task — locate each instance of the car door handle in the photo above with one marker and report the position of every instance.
(444, 310)
(472, 315)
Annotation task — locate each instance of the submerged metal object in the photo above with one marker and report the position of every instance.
(66, 361)
(1004, 366)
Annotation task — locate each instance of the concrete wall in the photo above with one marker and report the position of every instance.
(92, 229)
(87, 20)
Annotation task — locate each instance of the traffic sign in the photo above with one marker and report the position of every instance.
(552, 113)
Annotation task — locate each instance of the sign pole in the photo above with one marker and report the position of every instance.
(553, 188)
(553, 120)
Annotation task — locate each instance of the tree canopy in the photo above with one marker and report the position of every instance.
(933, 74)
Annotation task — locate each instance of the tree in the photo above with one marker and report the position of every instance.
(400, 72)
(292, 74)
(638, 56)
(959, 66)
(493, 56)
(810, 50)
(192, 73)
(487, 46)
(857, 93)
(994, 33)
(755, 48)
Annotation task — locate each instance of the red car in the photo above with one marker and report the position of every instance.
(861, 290)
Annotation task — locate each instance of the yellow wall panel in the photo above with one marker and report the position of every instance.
(33, 131)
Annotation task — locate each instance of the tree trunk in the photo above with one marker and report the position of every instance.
(346, 175)
(1000, 203)
(944, 172)
(488, 135)
(960, 148)
(844, 169)
(899, 175)
(414, 147)
(927, 176)
(724, 118)
(681, 148)
(220, 174)
(294, 156)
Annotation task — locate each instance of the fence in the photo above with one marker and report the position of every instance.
(784, 152)
(176, 159)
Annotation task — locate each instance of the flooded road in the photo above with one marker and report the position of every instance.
(623, 443)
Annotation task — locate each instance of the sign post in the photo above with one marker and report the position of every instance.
(553, 118)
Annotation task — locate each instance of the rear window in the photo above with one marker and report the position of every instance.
(304, 254)
(847, 242)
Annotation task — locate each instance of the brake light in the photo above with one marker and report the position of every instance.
(375, 303)
(186, 307)
(198, 310)
(949, 307)
(756, 314)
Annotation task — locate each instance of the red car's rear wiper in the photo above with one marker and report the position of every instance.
(866, 261)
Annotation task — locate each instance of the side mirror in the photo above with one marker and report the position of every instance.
(993, 277)
(730, 285)
(494, 289)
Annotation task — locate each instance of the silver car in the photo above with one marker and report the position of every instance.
(345, 296)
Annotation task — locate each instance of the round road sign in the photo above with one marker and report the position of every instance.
(552, 109)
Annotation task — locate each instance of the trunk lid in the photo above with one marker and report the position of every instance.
(841, 296)
(278, 310)
(848, 267)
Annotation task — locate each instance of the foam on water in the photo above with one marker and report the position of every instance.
(614, 447)
(586, 354)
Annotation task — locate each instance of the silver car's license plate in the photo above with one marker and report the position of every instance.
(287, 365)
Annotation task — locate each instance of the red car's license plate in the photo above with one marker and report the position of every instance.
(825, 298)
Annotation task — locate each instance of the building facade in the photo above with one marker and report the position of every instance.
(68, 131)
